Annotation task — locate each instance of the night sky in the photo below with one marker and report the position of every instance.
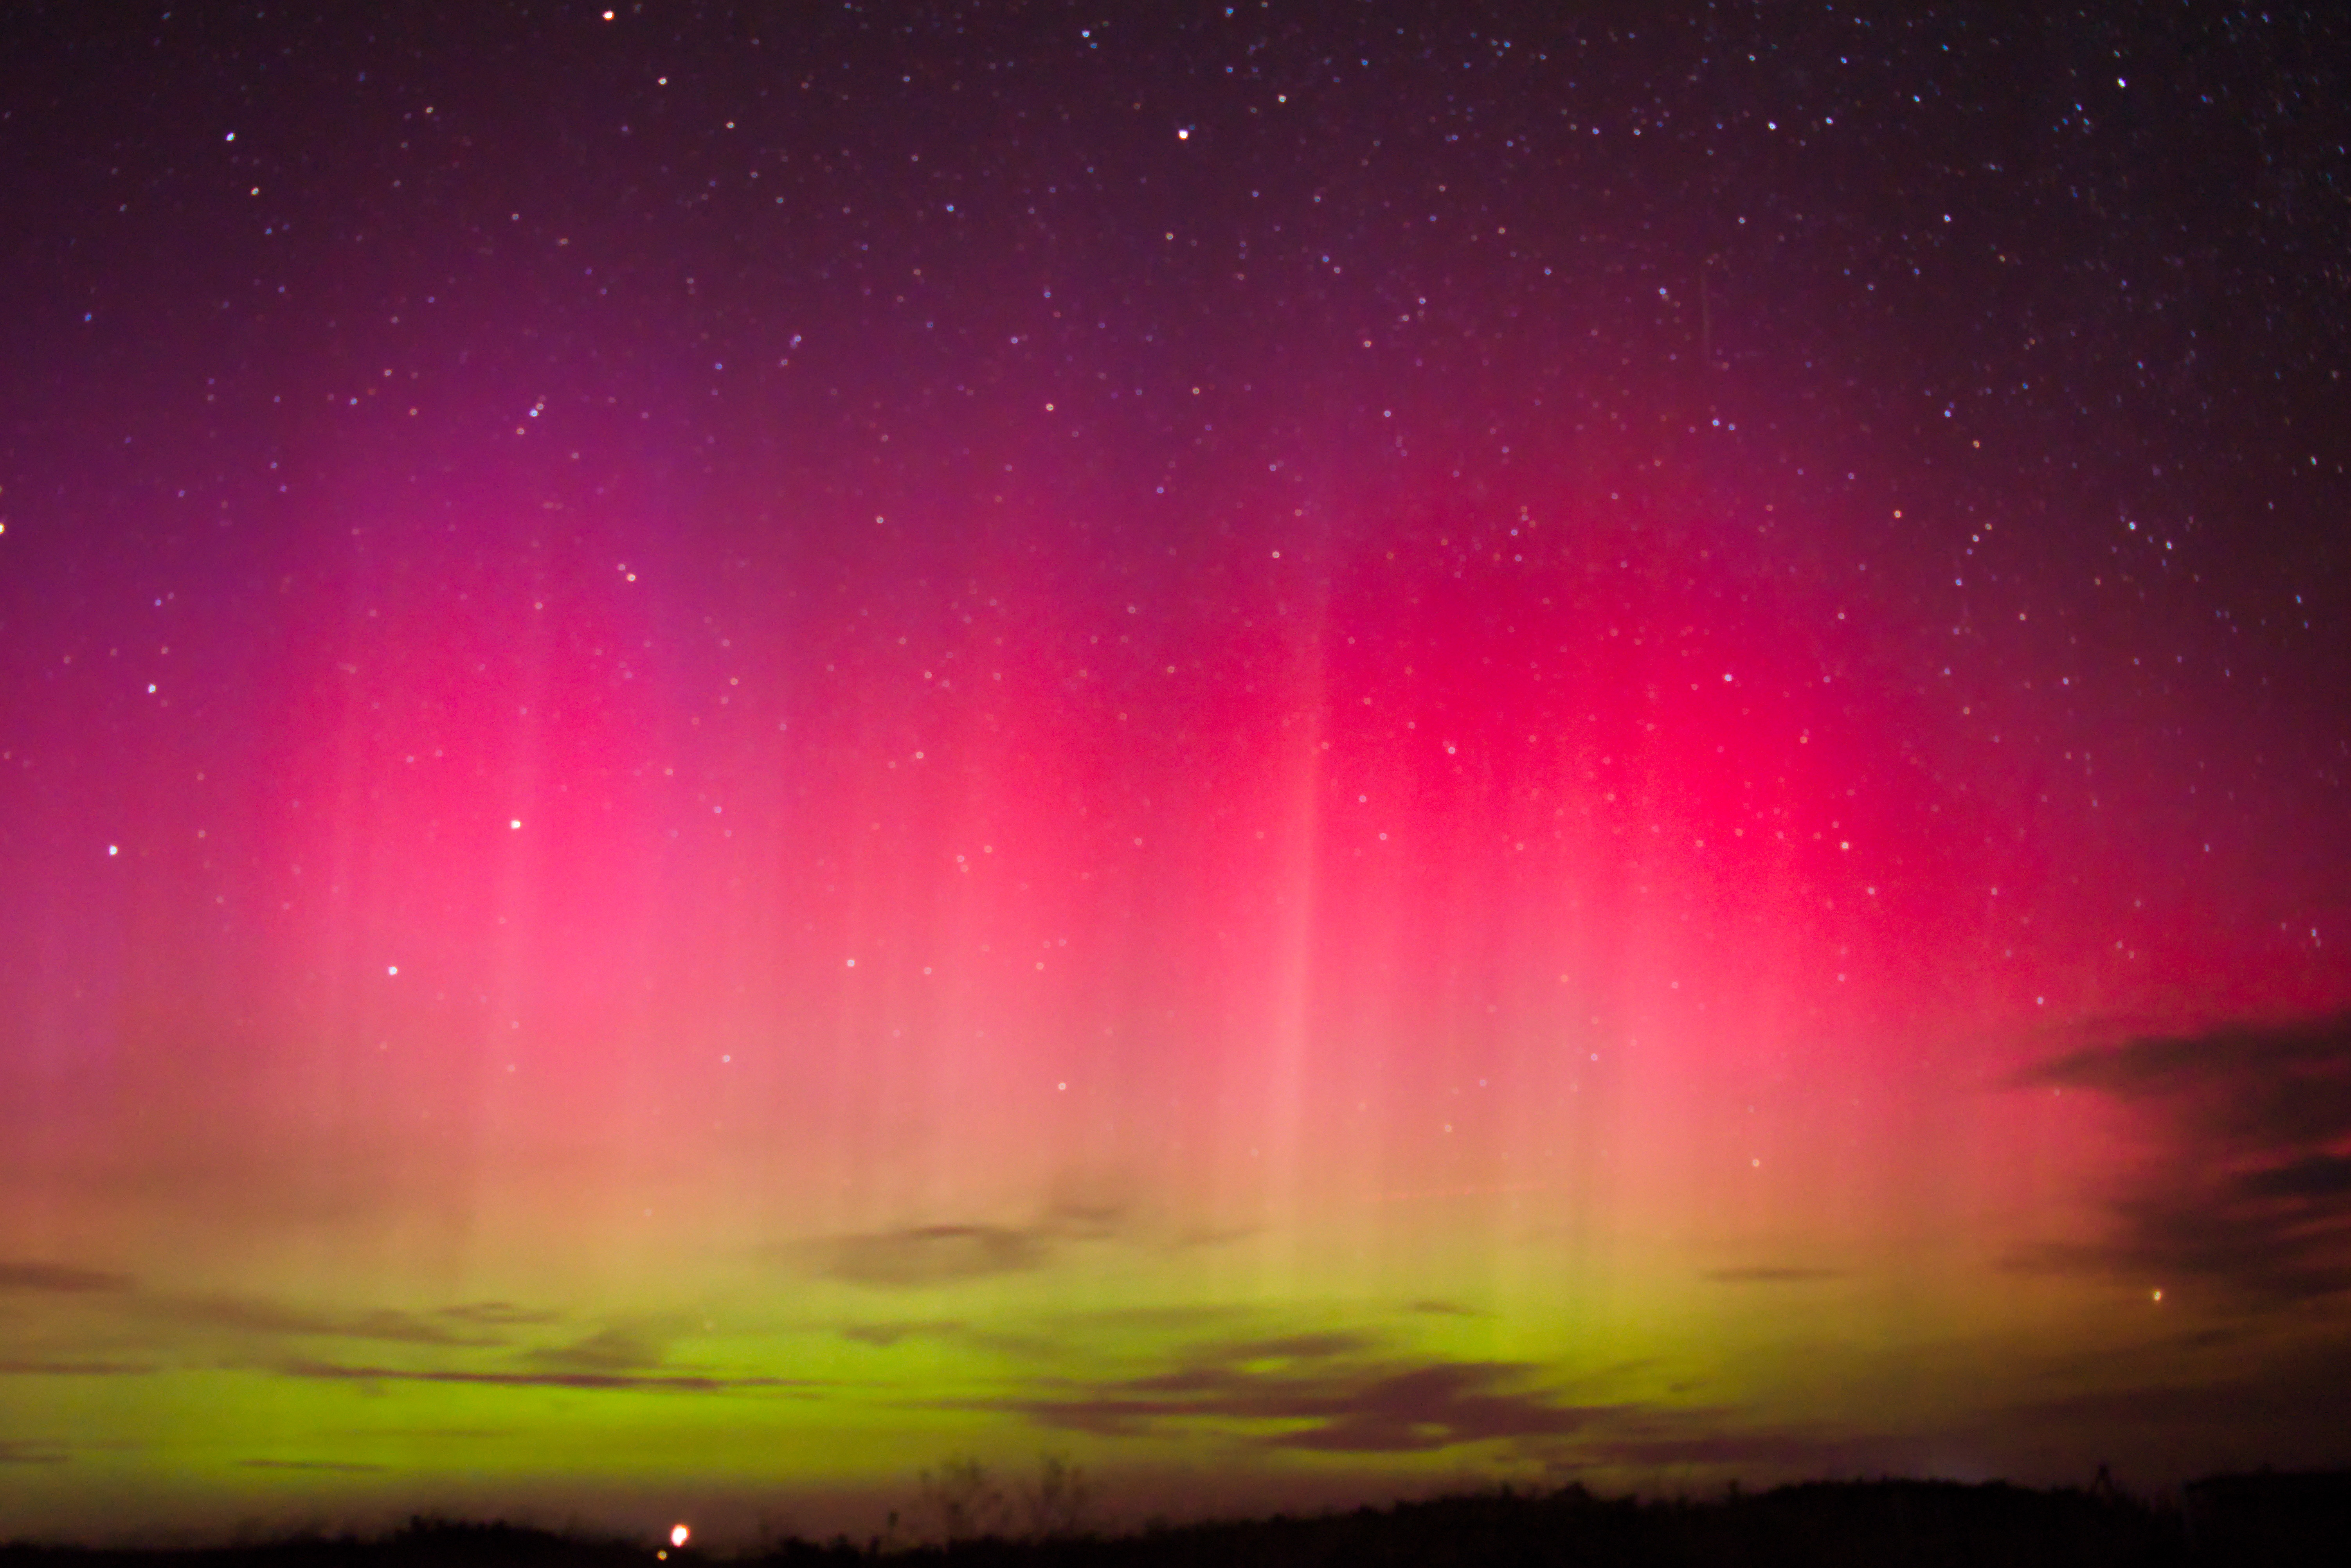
(1309, 750)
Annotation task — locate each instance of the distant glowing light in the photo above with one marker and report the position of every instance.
(678, 1534)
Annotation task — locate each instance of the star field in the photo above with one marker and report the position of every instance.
(1303, 749)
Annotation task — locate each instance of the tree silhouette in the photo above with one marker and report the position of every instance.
(961, 1501)
(1057, 1501)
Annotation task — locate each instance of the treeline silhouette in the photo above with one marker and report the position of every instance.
(2225, 1521)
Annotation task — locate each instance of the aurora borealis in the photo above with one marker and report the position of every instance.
(1309, 750)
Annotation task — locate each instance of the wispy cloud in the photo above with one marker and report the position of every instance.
(248, 1315)
(497, 1315)
(1082, 1209)
(83, 1322)
(681, 1383)
(59, 1278)
(13, 1452)
(1772, 1274)
(932, 1254)
(610, 1350)
(888, 1333)
(2253, 1188)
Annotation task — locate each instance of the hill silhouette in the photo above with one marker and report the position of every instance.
(2223, 1522)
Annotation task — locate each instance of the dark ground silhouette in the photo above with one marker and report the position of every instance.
(2263, 1519)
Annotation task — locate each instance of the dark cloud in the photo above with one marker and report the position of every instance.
(58, 1277)
(1343, 1393)
(610, 1350)
(2318, 1177)
(2272, 1085)
(2249, 1187)
(1438, 1406)
(1095, 1208)
(1323, 1392)
(887, 1334)
(1772, 1275)
(497, 1315)
(933, 1254)
(1396, 1407)
(2281, 1398)
(73, 1369)
(1444, 1309)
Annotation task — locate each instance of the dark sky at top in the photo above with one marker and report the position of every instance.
(2079, 276)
